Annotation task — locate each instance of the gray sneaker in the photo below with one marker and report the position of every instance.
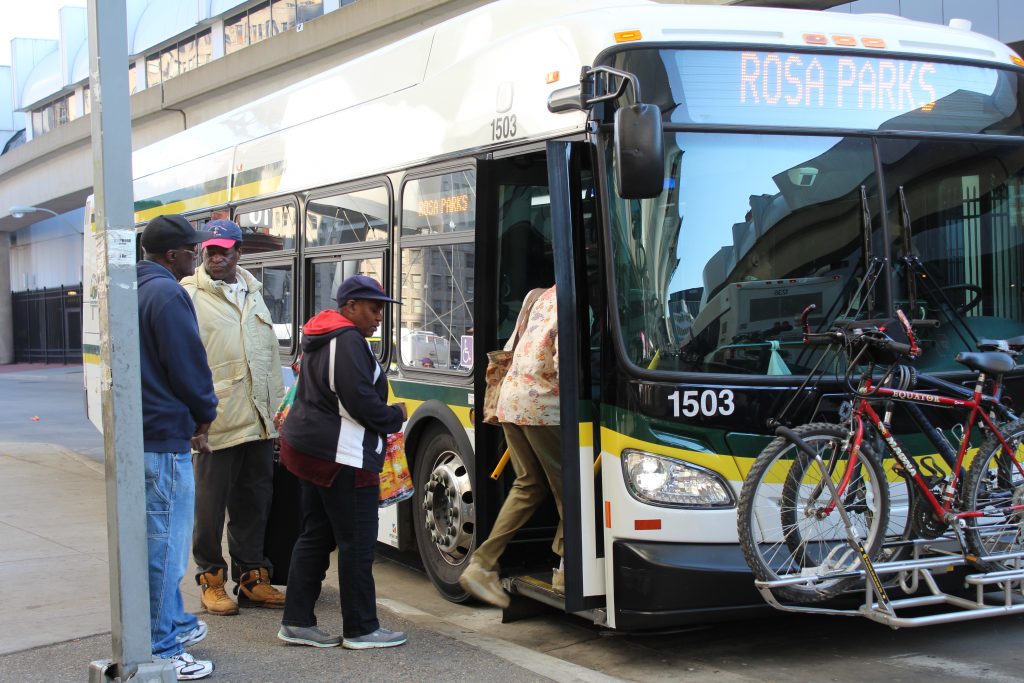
(307, 635)
(379, 638)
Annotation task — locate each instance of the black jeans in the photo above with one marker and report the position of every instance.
(239, 479)
(346, 517)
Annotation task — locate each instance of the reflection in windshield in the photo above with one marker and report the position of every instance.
(712, 276)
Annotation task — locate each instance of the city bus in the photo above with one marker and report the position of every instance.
(690, 178)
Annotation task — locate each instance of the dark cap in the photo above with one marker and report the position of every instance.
(361, 287)
(226, 234)
(170, 231)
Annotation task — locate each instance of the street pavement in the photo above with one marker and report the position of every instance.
(54, 593)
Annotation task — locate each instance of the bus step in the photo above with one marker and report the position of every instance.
(531, 596)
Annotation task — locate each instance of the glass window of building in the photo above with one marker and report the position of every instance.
(349, 218)
(153, 70)
(63, 111)
(236, 33)
(133, 84)
(267, 229)
(308, 9)
(169, 63)
(260, 23)
(204, 48)
(188, 58)
(283, 15)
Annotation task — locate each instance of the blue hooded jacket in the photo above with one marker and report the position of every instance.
(177, 387)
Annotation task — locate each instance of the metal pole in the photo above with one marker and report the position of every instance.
(119, 352)
(6, 303)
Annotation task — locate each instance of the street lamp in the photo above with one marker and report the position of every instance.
(18, 211)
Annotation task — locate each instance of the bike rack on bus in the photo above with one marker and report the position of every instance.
(996, 593)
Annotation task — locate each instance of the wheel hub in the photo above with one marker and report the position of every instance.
(448, 507)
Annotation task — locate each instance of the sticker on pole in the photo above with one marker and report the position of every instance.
(120, 247)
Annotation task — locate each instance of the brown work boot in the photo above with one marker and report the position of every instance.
(215, 599)
(254, 589)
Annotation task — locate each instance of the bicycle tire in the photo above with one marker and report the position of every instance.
(779, 535)
(993, 483)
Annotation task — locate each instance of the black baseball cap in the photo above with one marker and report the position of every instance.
(171, 231)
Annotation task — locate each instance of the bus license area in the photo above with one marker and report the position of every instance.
(844, 83)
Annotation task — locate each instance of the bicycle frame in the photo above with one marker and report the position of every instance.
(977, 405)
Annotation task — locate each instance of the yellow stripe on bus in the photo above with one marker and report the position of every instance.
(183, 206)
(247, 191)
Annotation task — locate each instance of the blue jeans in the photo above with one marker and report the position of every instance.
(170, 499)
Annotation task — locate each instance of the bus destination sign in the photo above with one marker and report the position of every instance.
(796, 80)
(806, 89)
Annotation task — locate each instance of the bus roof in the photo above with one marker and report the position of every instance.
(458, 70)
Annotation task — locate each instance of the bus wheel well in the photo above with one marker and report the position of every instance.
(443, 506)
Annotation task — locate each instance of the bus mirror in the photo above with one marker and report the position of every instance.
(639, 151)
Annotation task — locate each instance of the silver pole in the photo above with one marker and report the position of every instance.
(119, 351)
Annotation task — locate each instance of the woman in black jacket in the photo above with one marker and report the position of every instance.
(334, 441)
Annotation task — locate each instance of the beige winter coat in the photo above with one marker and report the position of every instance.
(243, 353)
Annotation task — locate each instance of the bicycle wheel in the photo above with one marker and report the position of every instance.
(993, 485)
(787, 525)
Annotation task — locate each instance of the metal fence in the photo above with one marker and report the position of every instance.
(48, 325)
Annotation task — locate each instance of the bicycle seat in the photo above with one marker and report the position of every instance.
(992, 362)
(1013, 344)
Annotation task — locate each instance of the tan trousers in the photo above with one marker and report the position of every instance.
(536, 455)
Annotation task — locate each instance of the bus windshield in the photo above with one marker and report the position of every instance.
(751, 228)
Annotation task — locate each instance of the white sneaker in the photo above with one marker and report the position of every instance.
(190, 638)
(558, 580)
(188, 668)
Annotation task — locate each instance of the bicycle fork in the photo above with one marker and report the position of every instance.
(852, 537)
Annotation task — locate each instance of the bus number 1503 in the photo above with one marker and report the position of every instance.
(503, 127)
(708, 402)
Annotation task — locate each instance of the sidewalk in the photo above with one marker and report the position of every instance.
(53, 566)
(55, 615)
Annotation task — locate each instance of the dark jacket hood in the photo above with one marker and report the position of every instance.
(319, 329)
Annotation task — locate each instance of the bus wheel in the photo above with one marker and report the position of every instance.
(444, 511)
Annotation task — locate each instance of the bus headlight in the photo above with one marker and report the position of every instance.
(658, 480)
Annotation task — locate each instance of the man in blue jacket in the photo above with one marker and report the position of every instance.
(178, 405)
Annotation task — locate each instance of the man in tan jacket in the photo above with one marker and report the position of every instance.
(238, 475)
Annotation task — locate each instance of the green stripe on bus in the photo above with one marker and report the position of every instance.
(422, 391)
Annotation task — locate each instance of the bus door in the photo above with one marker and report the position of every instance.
(515, 255)
(577, 276)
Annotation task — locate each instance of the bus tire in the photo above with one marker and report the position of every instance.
(444, 514)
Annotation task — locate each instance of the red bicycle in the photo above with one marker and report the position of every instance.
(817, 501)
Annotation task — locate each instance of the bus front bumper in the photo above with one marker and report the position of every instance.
(661, 585)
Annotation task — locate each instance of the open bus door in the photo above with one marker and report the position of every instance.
(579, 313)
(536, 204)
